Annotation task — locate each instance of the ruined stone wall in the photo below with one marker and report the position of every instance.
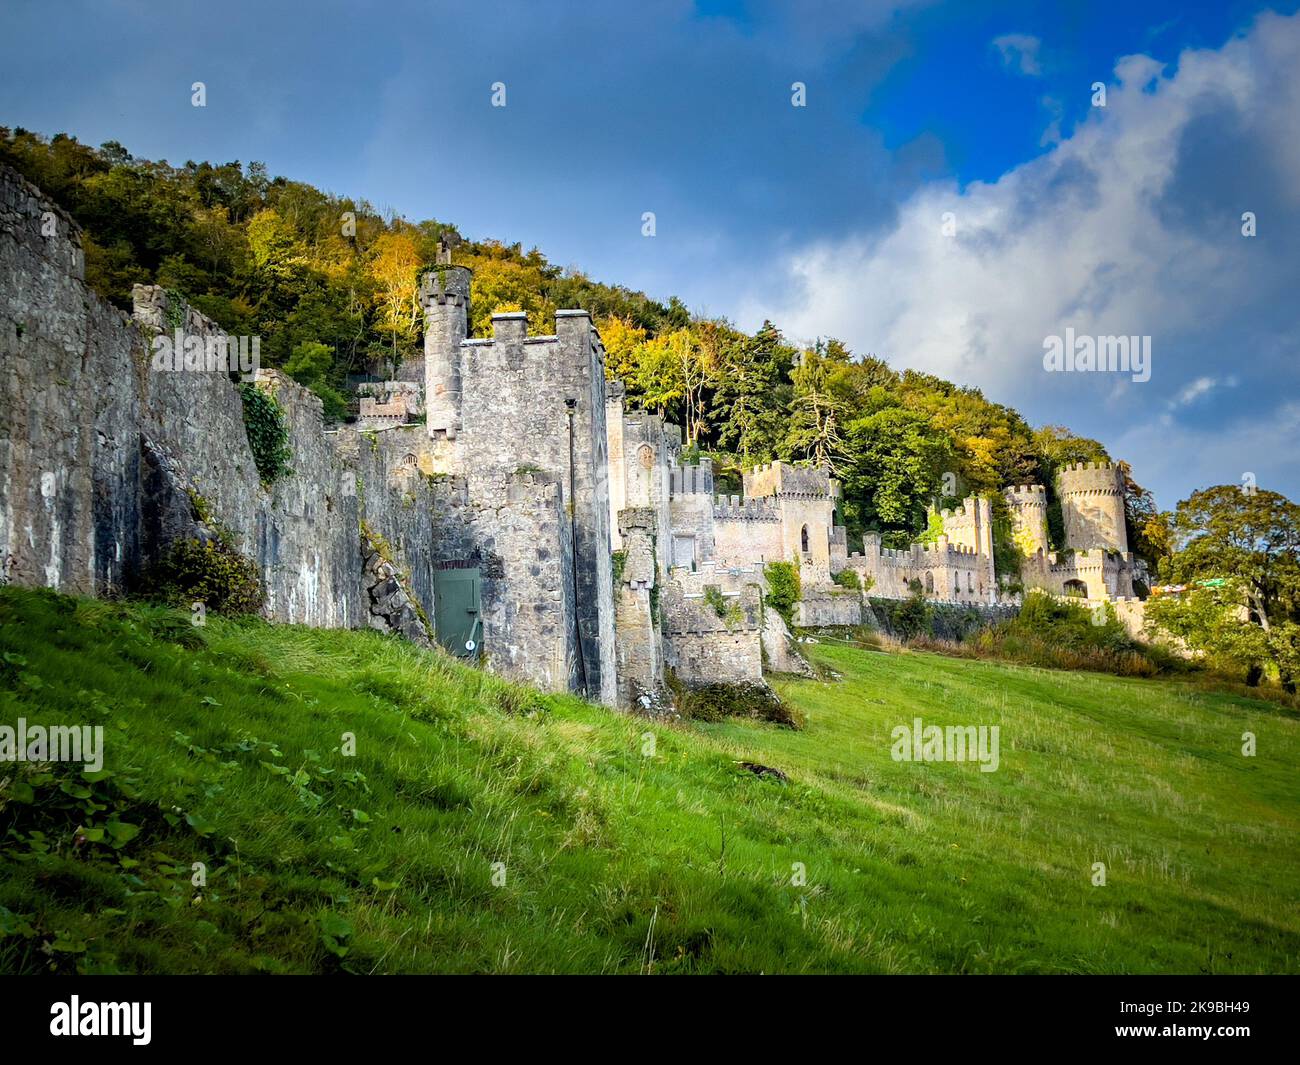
(106, 456)
(395, 498)
(824, 606)
(779, 652)
(691, 516)
(1028, 503)
(718, 657)
(639, 645)
(71, 383)
(705, 648)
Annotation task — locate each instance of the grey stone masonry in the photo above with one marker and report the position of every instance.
(639, 645)
(518, 405)
(107, 449)
(391, 607)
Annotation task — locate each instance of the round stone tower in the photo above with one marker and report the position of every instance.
(1028, 503)
(1092, 504)
(444, 295)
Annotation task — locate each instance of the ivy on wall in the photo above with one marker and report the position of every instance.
(268, 434)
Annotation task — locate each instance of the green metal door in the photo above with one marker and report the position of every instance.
(456, 610)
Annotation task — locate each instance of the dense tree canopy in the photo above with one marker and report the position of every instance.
(1239, 551)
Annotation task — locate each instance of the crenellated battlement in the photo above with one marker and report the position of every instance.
(1091, 559)
(446, 286)
(1100, 478)
(692, 479)
(1026, 495)
(734, 508)
(1092, 504)
(791, 482)
(939, 553)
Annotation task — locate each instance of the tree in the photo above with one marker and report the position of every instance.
(897, 461)
(310, 365)
(1150, 530)
(709, 343)
(823, 394)
(994, 446)
(1207, 619)
(622, 339)
(395, 266)
(657, 376)
(1249, 544)
(1062, 448)
(753, 394)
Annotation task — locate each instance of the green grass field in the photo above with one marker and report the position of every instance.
(227, 752)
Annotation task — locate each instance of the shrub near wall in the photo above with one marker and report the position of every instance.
(210, 572)
(783, 588)
(1054, 634)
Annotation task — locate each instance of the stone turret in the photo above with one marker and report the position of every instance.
(970, 526)
(444, 296)
(1092, 504)
(1028, 503)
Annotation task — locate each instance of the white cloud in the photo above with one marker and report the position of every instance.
(1019, 51)
(1201, 386)
(1083, 236)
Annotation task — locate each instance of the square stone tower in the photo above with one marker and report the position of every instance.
(512, 414)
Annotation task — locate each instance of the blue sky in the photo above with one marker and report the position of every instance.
(826, 218)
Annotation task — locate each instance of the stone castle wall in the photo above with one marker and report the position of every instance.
(639, 647)
(703, 647)
(947, 572)
(824, 606)
(515, 404)
(746, 533)
(99, 451)
(528, 468)
(1028, 505)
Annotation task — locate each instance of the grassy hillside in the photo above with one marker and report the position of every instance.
(223, 747)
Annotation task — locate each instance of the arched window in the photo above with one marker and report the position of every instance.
(929, 582)
(804, 539)
(1076, 588)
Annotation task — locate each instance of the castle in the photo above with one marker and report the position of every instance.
(530, 521)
